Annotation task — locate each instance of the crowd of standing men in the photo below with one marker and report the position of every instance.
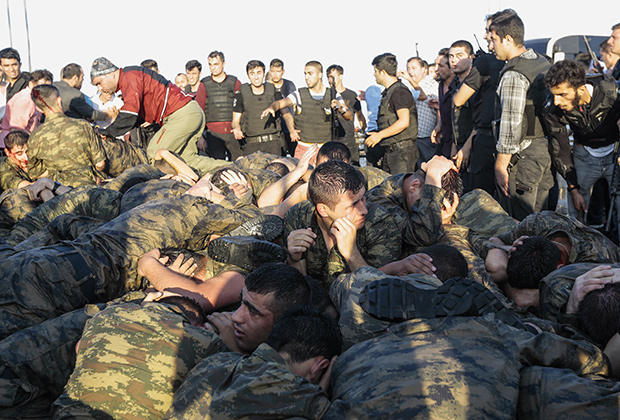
(213, 249)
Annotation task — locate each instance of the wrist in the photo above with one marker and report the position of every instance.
(56, 186)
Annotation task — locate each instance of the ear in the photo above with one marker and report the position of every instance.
(59, 102)
(415, 184)
(322, 209)
(581, 90)
(316, 370)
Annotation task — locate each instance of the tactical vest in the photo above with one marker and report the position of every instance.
(597, 127)
(220, 96)
(534, 71)
(387, 116)
(312, 119)
(253, 106)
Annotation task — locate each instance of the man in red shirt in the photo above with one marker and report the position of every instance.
(150, 97)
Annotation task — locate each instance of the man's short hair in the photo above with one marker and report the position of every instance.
(10, 53)
(276, 62)
(193, 64)
(286, 283)
(334, 150)
(507, 22)
(616, 26)
(218, 181)
(531, 262)
(278, 167)
(44, 96)
(252, 64)
(173, 254)
(451, 183)
(448, 260)
(423, 64)
(567, 71)
(336, 67)
(16, 138)
(505, 12)
(599, 312)
(332, 178)
(315, 64)
(70, 70)
(461, 43)
(42, 74)
(189, 308)
(217, 54)
(445, 51)
(386, 61)
(149, 63)
(319, 296)
(303, 333)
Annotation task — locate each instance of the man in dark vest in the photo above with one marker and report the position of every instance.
(262, 134)
(523, 164)
(592, 109)
(397, 119)
(215, 95)
(313, 110)
(11, 65)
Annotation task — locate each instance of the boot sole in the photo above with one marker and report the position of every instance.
(265, 227)
(248, 256)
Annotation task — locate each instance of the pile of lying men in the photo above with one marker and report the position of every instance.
(160, 283)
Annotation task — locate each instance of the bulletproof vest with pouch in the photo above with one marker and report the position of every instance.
(534, 71)
(220, 96)
(314, 118)
(253, 106)
(387, 116)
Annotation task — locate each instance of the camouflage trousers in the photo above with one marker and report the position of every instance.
(133, 176)
(100, 203)
(121, 155)
(482, 214)
(550, 393)
(14, 205)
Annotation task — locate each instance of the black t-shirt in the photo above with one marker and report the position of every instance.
(401, 98)
(484, 78)
(346, 129)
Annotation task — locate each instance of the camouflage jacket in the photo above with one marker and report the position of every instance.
(231, 386)
(378, 241)
(11, 175)
(420, 225)
(457, 368)
(67, 148)
(131, 360)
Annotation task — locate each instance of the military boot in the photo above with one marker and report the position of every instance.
(266, 227)
(246, 252)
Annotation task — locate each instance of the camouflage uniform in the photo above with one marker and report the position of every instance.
(14, 205)
(88, 200)
(589, 245)
(38, 361)
(98, 266)
(479, 211)
(67, 148)
(131, 360)
(154, 189)
(374, 176)
(11, 175)
(133, 176)
(448, 368)
(122, 155)
(355, 324)
(231, 386)
(256, 160)
(378, 241)
(550, 393)
(420, 225)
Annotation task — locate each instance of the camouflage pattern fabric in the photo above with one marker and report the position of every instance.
(154, 189)
(549, 393)
(231, 386)
(68, 149)
(448, 368)
(374, 176)
(45, 282)
(355, 324)
(39, 360)
(589, 245)
(479, 211)
(88, 200)
(131, 360)
(421, 225)
(133, 176)
(122, 155)
(14, 205)
(65, 227)
(11, 175)
(257, 160)
(378, 241)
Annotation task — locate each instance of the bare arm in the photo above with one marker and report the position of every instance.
(463, 95)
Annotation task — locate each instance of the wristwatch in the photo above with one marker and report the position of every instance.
(56, 185)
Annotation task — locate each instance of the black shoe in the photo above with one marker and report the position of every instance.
(395, 300)
(266, 227)
(246, 252)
